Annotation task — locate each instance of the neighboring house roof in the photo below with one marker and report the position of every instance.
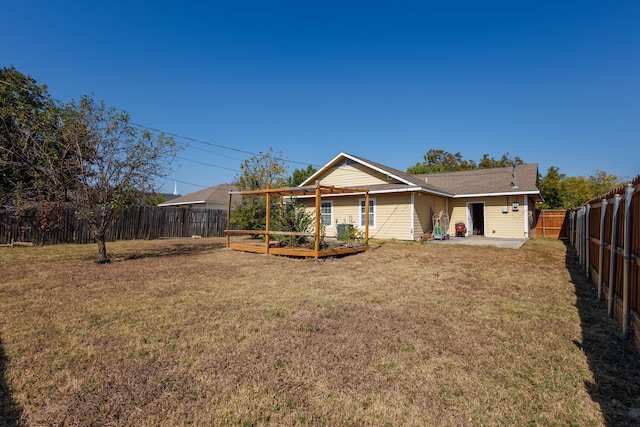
(216, 194)
(523, 179)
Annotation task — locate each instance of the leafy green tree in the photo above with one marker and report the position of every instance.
(436, 161)
(601, 183)
(30, 146)
(300, 175)
(258, 172)
(505, 161)
(562, 192)
(262, 170)
(552, 189)
(576, 191)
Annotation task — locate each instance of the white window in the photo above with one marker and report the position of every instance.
(326, 213)
(372, 213)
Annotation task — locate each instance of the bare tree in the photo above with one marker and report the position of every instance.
(116, 163)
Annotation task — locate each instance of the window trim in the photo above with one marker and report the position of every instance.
(372, 212)
(330, 202)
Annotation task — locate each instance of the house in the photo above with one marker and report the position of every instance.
(496, 202)
(216, 197)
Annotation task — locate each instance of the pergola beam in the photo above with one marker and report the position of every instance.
(317, 191)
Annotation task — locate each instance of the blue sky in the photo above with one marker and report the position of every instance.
(553, 82)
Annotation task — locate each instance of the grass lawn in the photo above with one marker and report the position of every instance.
(180, 332)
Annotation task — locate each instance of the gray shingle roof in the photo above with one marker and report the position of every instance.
(218, 193)
(524, 179)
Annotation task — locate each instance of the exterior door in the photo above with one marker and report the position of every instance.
(475, 219)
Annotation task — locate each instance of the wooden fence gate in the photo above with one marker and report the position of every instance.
(552, 223)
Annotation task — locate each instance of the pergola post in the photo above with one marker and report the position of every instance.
(318, 204)
(366, 217)
(267, 238)
(227, 235)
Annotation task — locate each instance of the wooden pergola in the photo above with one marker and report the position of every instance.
(268, 247)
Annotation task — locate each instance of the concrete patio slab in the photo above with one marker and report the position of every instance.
(482, 241)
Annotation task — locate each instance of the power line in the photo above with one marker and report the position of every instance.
(217, 154)
(188, 183)
(224, 147)
(207, 164)
(219, 145)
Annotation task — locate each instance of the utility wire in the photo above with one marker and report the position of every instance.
(188, 183)
(186, 137)
(218, 145)
(217, 154)
(207, 164)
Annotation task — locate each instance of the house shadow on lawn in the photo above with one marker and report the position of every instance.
(9, 410)
(613, 361)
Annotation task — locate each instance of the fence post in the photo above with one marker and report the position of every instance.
(576, 244)
(572, 228)
(580, 242)
(583, 225)
(614, 251)
(603, 211)
(626, 266)
(587, 241)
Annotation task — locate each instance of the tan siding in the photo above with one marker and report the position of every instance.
(458, 213)
(345, 211)
(497, 223)
(426, 206)
(510, 224)
(352, 176)
(393, 215)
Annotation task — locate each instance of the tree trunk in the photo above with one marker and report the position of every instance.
(102, 249)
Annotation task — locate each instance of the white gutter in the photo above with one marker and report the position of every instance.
(512, 193)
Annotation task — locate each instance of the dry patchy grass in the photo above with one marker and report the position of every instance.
(187, 332)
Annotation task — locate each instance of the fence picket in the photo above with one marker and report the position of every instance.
(137, 222)
(618, 234)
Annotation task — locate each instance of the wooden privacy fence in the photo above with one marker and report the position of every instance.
(606, 235)
(137, 222)
(552, 223)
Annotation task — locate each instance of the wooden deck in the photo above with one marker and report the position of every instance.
(274, 248)
(261, 248)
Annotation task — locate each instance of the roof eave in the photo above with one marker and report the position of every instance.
(501, 193)
(192, 202)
